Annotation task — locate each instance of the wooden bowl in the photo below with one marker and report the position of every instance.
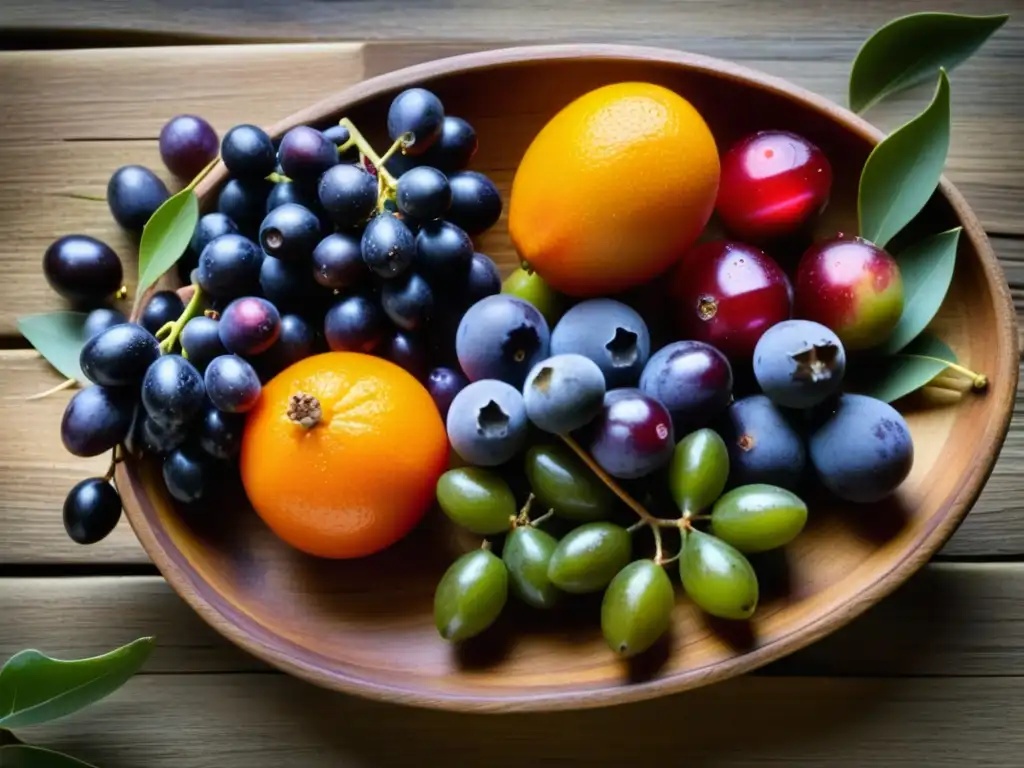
(366, 626)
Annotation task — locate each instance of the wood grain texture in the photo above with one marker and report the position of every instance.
(244, 720)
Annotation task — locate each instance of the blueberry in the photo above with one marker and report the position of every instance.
(863, 450)
(501, 337)
(219, 433)
(200, 339)
(763, 445)
(693, 380)
(417, 112)
(245, 203)
(133, 194)
(799, 363)
(338, 262)
(455, 146)
(231, 384)
(119, 356)
(291, 286)
(188, 474)
(187, 145)
(444, 384)
(296, 342)
(423, 193)
(91, 510)
(209, 227)
(354, 324)
(290, 232)
(96, 419)
(487, 423)
(163, 307)
(230, 267)
(172, 390)
(249, 325)
(407, 351)
(82, 269)
(408, 301)
(610, 333)
(563, 393)
(305, 154)
(100, 320)
(248, 152)
(388, 247)
(476, 203)
(443, 251)
(349, 195)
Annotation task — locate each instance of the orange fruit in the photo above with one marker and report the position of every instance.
(613, 189)
(362, 474)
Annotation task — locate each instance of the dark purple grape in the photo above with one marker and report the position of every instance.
(245, 203)
(291, 286)
(388, 246)
(290, 232)
(248, 153)
(764, 444)
(200, 340)
(230, 267)
(91, 510)
(423, 194)
(288, 192)
(408, 301)
(219, 433)
(172, 391)
(152, 437)
(231, 384)
(187, 145)
(119, 356)
(188, 474)
(454, 148)
(82, 269)
(476, 202)
(96, 419)
(444, 384)
(338, 262)
(305, 154)
(337, 134)
(348, 194)
(407, 351)
(209, 227)
(100, 319)
(354, 324)
(693, 380)
(632, 436)
(249, 325)
(418, 113)
(133, 194)
(482, 280)
(163, 307)
(296, 342)
(443, 252)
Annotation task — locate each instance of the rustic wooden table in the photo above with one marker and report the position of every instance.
(933, 676)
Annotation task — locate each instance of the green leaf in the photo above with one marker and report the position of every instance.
(927, 271)
(57, 336)
(896, 376)
(909, 50)
(903, 170)
(166, 236)
(35, 688)
(28, 756)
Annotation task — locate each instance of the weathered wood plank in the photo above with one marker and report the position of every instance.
(242, 720)
(952, 619)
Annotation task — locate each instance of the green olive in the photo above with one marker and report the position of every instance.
(562, 482)
(470, 595)
(637, 608)
(717, 576)
(531, 287)
(526, 553)
(698, 471)
(756, 518)
(477, 499)
(588, 557)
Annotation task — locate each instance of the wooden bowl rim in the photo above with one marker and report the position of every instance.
(1003, 384)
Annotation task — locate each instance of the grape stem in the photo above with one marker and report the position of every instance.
(978, 380)
(357, 139)
(172, 334)
(66, 384)
(203, 173)
(116, 457)
(384, 192)
(523, 518)
(546, 516)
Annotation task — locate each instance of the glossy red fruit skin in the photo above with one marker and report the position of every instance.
(727, 294)
(772, 183)
(852, 286)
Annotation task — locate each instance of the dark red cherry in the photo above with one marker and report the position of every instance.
(772, 183)
(727, 294)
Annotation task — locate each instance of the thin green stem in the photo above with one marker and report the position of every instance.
(277, 178)
(978, 380)
(659, 552)
(360, 141)
(193, 309)
(203, 173)
(546, 516)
